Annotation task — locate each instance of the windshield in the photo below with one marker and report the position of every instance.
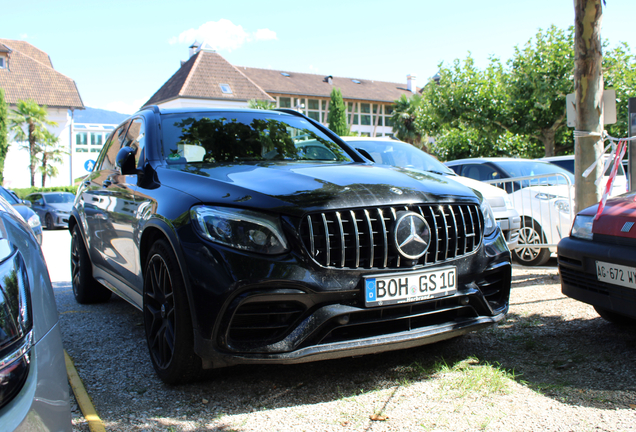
(400, 154)
(7, 195)
(59, 198)
(526, 168)
(231, 137)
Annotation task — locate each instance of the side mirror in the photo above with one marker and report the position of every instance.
(26, 202)
(125, 160)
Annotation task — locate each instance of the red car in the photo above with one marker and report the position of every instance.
(597, 262)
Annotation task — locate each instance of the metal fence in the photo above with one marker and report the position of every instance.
(545, 204)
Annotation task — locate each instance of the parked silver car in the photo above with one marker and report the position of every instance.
(34, 392)
(53, 208)
(24, 208)
(397, 153)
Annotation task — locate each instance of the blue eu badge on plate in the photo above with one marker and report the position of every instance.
(370, 290)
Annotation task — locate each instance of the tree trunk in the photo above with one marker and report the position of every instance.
(44, 162)
(32, 152)
(588, 85)
(547, 138)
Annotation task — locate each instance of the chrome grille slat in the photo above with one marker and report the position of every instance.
(342, 239)
(371, 248)
(354, 220)
(327, 241)
(363, 235)
(385, 235)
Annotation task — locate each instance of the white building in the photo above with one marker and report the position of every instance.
(26, 72)
(206, 79)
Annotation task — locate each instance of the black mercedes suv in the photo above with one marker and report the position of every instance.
(253, 236)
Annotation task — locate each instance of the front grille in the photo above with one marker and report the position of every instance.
(361, 238)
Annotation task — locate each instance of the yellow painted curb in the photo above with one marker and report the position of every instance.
(83, 399)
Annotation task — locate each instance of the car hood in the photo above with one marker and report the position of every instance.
(302, 186)
(24, 210)
(617, 213)
(495, 196)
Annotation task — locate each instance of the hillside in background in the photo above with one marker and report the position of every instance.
(98, 116)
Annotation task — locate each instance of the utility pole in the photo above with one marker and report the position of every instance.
(588, 88)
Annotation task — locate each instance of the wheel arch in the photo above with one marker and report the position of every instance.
(158, 229)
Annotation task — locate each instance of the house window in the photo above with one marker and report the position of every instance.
(313, 109)
(96, 139)
(284, 102)
(2, 63)
(225, 88)
(81, 138)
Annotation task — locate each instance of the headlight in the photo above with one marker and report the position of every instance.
(582, 227)
(562, 205)
(489, 218)
(34, 221)
(546, 196)
(240, 229)
(16, 325)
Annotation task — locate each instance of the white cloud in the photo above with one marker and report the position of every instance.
(222, 35)
(24, 36)
(265, 34)
(123, 107)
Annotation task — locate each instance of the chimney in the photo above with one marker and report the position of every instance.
(329, 79)
(194, 48)
(411, 83)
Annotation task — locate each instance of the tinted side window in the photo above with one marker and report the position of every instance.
(479, 172)
(107, 157)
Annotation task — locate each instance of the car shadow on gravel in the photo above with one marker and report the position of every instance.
(582, 362)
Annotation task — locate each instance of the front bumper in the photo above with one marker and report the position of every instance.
(577, 267)
(293, 311)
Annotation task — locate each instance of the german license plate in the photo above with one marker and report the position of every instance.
(409, 287)
(616, 274)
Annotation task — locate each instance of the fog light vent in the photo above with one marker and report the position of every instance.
(264, 322)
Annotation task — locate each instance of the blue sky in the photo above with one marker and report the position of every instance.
(120, 52)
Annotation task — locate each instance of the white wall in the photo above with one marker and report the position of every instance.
(16, 165)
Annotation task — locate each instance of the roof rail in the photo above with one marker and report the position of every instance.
(154, 108)
(290, 111)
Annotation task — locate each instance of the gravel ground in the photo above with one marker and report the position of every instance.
(552, 365)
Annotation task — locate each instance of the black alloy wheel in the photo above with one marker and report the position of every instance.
(48, 220)
(85, 288)
(167, 318)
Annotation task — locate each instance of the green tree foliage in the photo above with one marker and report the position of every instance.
(337, 118)
(32, 117)
(261, 104)
(540, 76)
(619, 73)
(4, 138)
(517, 108)
(406, 111)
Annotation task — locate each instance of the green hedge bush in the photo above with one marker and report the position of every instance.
(23, 192)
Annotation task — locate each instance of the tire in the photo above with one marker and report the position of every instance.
(85, 288)
(48, 221)
(614, 317)
(167, 318)
(531, 233)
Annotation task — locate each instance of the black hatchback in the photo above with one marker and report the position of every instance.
(252, 236)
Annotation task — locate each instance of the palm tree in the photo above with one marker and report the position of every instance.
(404, 118)
(33, 117)
(51, 153)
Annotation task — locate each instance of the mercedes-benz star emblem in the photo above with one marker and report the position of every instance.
(411, 235)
